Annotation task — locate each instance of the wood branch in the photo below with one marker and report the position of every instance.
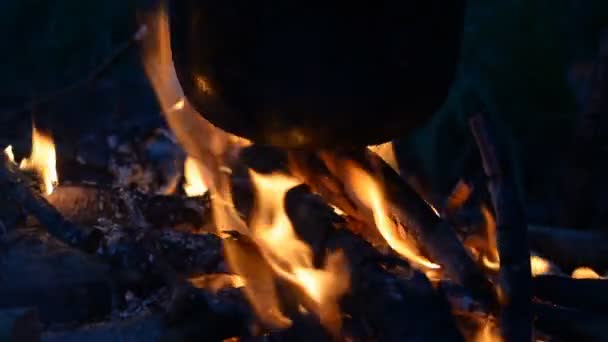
(19, 324)
(14, 187)
(512, 242)
(589, 295)
(570, 248)
(94, 75)
(567, 324)
(394, 306)
(432, 234)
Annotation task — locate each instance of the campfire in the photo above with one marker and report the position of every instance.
(245, 241)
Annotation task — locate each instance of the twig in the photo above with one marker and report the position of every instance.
(515, 274)
(95, 74)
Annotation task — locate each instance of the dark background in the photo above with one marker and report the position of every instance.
(523, 60)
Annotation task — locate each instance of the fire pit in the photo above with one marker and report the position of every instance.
(196, 234)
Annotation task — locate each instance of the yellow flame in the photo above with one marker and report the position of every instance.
(290, 257)
(539, 266)
(369, 193)
(585, 273)
(8, 152)
(42, 160)
(194, 182)
(277, 247)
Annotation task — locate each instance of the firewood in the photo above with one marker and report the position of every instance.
(512, 241)
(210, 318)
(62, 283)
(566, 324)
(394, 306)
(19, 324)
(570, 248)
(590, 295)
(35, 204)
(433, 234)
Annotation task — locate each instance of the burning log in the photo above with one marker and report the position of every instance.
(570, 248)
(512, 242)
(396, 307)
(19, 324)
(590, 295)
(432, 234)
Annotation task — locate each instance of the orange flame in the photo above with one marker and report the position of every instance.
(291, 258)
(8, 152)
(274, 249)
(194, 184)
(585, 273)
(216, 282)
(368, 191)
(42, 160)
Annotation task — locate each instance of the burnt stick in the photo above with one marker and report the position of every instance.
(512, 241)
(84, 238)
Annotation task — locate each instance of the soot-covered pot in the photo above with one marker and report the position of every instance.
(314, 73)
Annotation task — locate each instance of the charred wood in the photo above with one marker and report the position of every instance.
(590, 295)
(33, 203)
(62, 283)
(512, 241)
(566, 324)
(86, 205)
(570, 248)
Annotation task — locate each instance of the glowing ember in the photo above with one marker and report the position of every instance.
(216, 282)
(42, 160)
(369, 193)
(490, 258)
(195, 184)
(585, 273)
(488, 333)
